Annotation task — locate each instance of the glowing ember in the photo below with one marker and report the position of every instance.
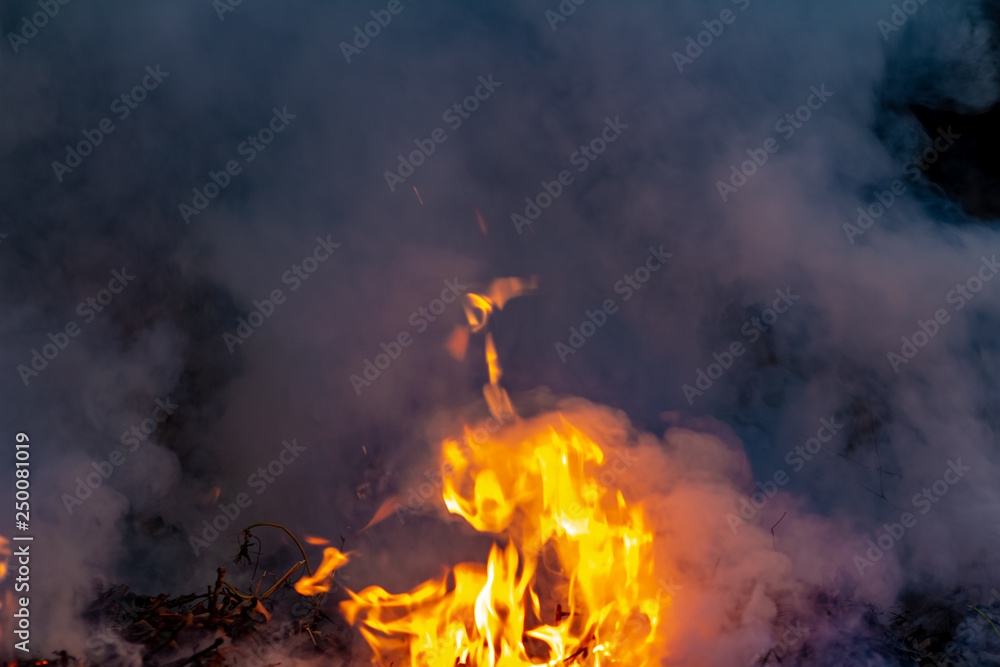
(570, 579)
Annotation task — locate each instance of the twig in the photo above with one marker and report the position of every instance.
(282, 580)
(773, 546)
(305, 558)
(234, 591)
(215, 592)
(180, 663)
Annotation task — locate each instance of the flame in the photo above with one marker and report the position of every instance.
(319, 582)
(477, 311)
(565, 542)
(503, 290)
(4, 555)
(495, 395)
(319, 541)
(570, 579)
(478, 308)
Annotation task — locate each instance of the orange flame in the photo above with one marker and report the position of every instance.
(4, 555)
(319, 582)
(571, 544)
(571, 578)
(478, 308)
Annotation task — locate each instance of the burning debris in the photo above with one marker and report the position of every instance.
(574, 577)
(222, 625)
(565, 543)
(563, 539)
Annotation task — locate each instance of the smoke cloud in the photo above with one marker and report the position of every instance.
(757, 149)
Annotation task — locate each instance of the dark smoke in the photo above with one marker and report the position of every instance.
(322, 180)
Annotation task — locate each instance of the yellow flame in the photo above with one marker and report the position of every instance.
(478, 308)
(570, 579)
(492, 360)
(569, 543)
(319, 582)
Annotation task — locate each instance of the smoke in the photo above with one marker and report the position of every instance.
(776, 222)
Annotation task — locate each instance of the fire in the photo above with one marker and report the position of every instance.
(478, 308)
(319, 582)
(4, 555)
(570, 578)
(569, 581)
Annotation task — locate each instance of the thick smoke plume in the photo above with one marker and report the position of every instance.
(233, 235)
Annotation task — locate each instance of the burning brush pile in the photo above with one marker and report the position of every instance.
(570, 579)
(591, 525)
